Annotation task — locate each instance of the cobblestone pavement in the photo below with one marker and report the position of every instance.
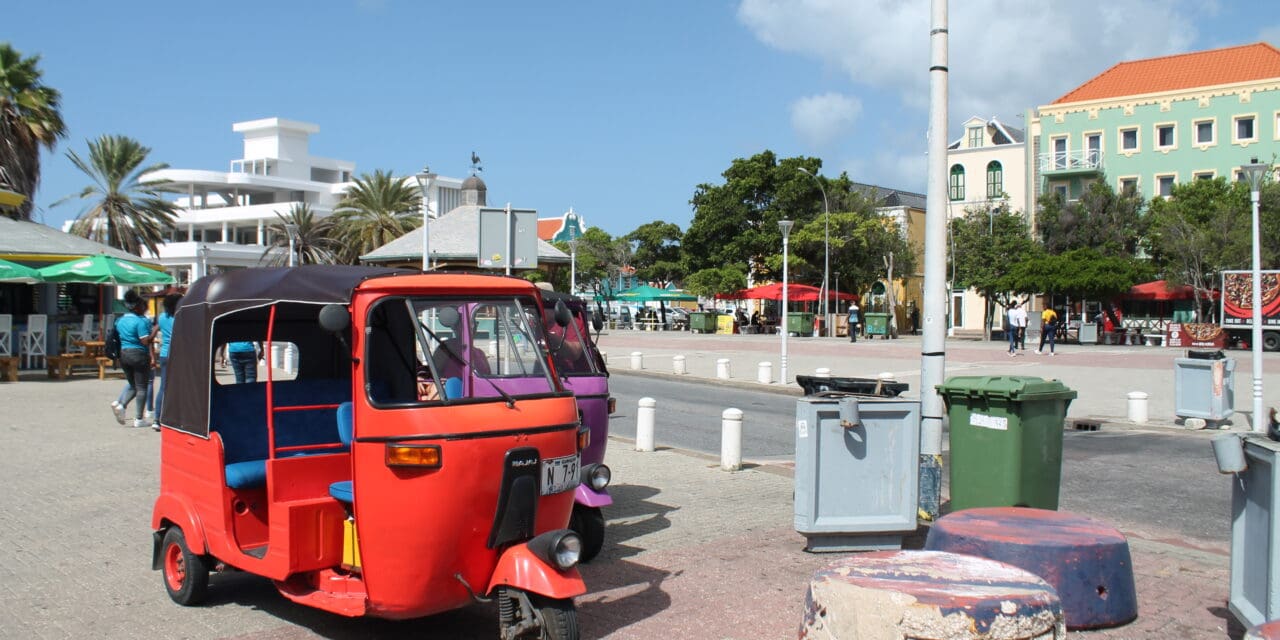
(692, 551)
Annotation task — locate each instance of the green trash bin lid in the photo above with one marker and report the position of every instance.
(1012, 388)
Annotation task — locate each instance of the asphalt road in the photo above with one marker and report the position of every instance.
(1159, 482)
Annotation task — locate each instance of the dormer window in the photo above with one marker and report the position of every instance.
(975, 137)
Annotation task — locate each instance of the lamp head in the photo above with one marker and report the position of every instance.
(1254, 172)
(785, 226)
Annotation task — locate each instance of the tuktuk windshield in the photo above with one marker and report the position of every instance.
(440, 350)
(571, 348)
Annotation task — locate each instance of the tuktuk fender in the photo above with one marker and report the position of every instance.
(586, 496)
(179, 513)
(521, 568)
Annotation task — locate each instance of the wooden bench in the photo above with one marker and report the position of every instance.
(62, 366)
(9, 368)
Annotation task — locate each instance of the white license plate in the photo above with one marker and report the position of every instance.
(559, 474)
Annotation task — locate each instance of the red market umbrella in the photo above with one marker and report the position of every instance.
(1161, 290)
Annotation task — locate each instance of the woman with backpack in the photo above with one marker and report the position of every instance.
(134, 331)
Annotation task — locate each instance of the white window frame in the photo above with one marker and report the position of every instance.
(1275, 126)
(1137, 140)
(1102, 142)
(1206, 174)
(1173, 177)
(1235, 128)
(1213, 133)
(1137, 184)
(1064, 161)
(1063, 188)
(970, 131)
(1155, 136)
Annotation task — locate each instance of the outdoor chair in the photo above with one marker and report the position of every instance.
(6, 335)
(33, 343)
(84, 332)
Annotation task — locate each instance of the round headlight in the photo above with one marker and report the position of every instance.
(600, 477)
(567, 550)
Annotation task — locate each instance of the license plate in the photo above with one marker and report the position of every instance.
(559, 474)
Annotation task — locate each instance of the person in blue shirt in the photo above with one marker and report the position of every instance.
(164, 329)
(134, 329)
(244, 361)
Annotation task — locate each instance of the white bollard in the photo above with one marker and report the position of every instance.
(637, 360)
(731, 439)
(722, 368)
(822, 372)
(677, 365)
(1137, 407)
(885, 376)
(764, 374)
(644, 424)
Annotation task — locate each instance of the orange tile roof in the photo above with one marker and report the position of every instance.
(549, 227)
(1258, 61)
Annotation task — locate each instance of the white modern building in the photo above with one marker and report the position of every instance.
(226, 215)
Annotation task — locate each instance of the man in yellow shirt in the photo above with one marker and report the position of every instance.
(1048, 329)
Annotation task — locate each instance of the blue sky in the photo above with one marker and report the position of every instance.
(617, 109)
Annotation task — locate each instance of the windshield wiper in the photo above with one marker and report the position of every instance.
(448, 348)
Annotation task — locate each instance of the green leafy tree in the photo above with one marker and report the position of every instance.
(656, 252)
(124, 210)
(988, 245)
(594, 255)
(30, 118)
(377, 209)
(314, 238)
(1101, 219)
(709, 282)
(1079, 273)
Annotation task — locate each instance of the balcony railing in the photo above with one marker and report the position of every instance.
(1082, 161)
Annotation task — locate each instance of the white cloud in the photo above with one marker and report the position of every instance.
(822, 118)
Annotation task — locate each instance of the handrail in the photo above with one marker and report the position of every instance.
(1070, 160)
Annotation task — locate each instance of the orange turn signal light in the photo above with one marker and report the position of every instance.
(584, 438)
(413, 455)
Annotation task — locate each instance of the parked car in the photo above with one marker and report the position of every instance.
(677, 319)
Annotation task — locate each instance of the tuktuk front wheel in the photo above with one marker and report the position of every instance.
(529, 615)
(588, 523)
(185, 574)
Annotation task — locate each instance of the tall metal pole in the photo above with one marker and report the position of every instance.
(933, 351)
(1255, 172)
(573, 266)
(292, 230)
(424, 178)
(826, 252)
(785, 226)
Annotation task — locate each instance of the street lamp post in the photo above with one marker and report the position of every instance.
(826, 251)
(573, 266)
(292, 231)
(424, 178)
(1255, 171)
(785, 226)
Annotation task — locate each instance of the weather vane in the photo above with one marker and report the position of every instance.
(475, 163)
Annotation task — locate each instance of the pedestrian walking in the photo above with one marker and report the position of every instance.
(164, 329)
(915, 319)
(244, 358)
(854, 320)
(134, 329)
(1020, 324)
(1048, 330)
(1011, 320)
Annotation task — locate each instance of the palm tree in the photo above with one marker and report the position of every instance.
(314, 239)
(29, 118)
(124, 211)
(378, 209)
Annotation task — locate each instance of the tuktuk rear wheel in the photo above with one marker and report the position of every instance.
(185, 574)
(588, 523)
(559, 618)
(529, 615)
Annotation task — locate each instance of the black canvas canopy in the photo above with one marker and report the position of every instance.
(235, 306)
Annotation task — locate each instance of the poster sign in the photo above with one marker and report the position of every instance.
(1188, 334)
(1237, 299)
(508, 238)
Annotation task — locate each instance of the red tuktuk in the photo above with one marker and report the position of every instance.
(390, 477)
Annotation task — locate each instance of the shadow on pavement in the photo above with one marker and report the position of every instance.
(632, 515)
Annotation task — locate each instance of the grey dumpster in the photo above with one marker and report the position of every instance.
(1254, 596)
(856, 475)
(1204, 386)
(1088, 333)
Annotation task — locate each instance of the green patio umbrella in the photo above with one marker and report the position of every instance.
(14, 272)
(102, 269)
(647, 293)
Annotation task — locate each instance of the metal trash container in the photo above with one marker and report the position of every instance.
(1088, 333)
(800, 324)
(814, 385)
(1254, 595)
(1006, 440)
(702, 322)
(1204, 386)
(877, 324)
(857, 471)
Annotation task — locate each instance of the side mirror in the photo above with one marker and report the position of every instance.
(597, 322)
(564, 317)
(334, 318)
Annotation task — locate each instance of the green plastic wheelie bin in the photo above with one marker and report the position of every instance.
(702, 322)
(1006, 440)
(877, 324)
(800, 324)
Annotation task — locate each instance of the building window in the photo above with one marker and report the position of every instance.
(975, 137)
(1129, 139)
(1165, 185)
(1059, 153)
(1093, 145)
(1061, 191)
(1205, 132)
(1203, 175)
(957, 182)
(1165, 136)
(995, 180)
(1128, 186)
(1244, 129)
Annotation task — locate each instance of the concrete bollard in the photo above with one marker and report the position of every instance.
(885, 376)
(764, 374)
(822, 372)
(722, 368)
(644, 424)
(1137, 407)
(731, 440)
(637, 360)
(677, 365)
